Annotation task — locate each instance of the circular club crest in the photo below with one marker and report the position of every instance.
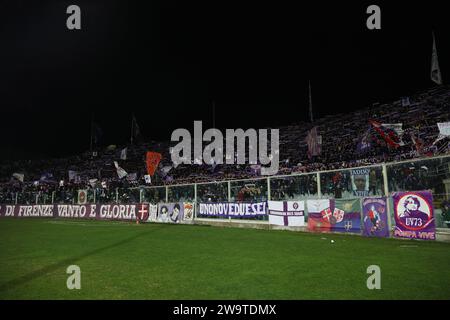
(295, 205)
(413, 211)
(82, 197)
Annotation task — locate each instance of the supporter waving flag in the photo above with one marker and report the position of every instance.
(153, 159)
(389, 135)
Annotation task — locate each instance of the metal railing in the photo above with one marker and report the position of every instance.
(431, 173)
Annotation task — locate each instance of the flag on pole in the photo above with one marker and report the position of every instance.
(364, 143)
(314, 142)
(435, 70)
(444, 131)
(418, 143)
(310, 104)
(135, 130)
(120, 172)
(153, 159)
(93, 182)
(389, 135)
(395, 130)
(123, 154)
(97, 133)
(19, 176)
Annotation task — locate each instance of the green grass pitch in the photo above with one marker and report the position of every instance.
(121, 260)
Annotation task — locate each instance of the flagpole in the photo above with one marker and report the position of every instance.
(310, 103)
(92, 129)
(132, 124)
(214, 114)
(436, 75)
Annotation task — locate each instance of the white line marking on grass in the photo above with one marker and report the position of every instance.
(408, 246)
(84, 224)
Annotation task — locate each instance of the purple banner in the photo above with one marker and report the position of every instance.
(86, 211)
(232, 209)
(375, 217)
(414, 215)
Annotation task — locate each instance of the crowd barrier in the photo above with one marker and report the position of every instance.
(381, 180)
(414, 214)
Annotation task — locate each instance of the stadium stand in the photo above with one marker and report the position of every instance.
(340, 133)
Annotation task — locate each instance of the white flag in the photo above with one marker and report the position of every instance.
(120, 172)
(148, 179)
(286, 213)
(398, 128)
(123, 154)
(435, 71)
(19, 176)
(92, 182)
(444, 131)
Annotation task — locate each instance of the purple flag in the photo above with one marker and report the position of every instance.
(414, 215)
(375, 217)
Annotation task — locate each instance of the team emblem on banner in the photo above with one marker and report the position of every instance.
(188, 211)
(339, 215)
(82, 196)
(143, 212)
(287, 213)
(414, 216)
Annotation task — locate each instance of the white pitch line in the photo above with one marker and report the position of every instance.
(84, 224)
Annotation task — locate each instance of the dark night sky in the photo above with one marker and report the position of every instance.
(167, 62)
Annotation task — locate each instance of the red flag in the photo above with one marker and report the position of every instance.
(387, 136)
(316, 224)
(153, 159)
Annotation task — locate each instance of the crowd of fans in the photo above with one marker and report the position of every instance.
(95, 171)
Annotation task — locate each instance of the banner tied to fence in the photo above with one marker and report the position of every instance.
(231, 209)
(287, 213)
(77, 211)
(375, 217)
(414, 215)
(330, 215)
